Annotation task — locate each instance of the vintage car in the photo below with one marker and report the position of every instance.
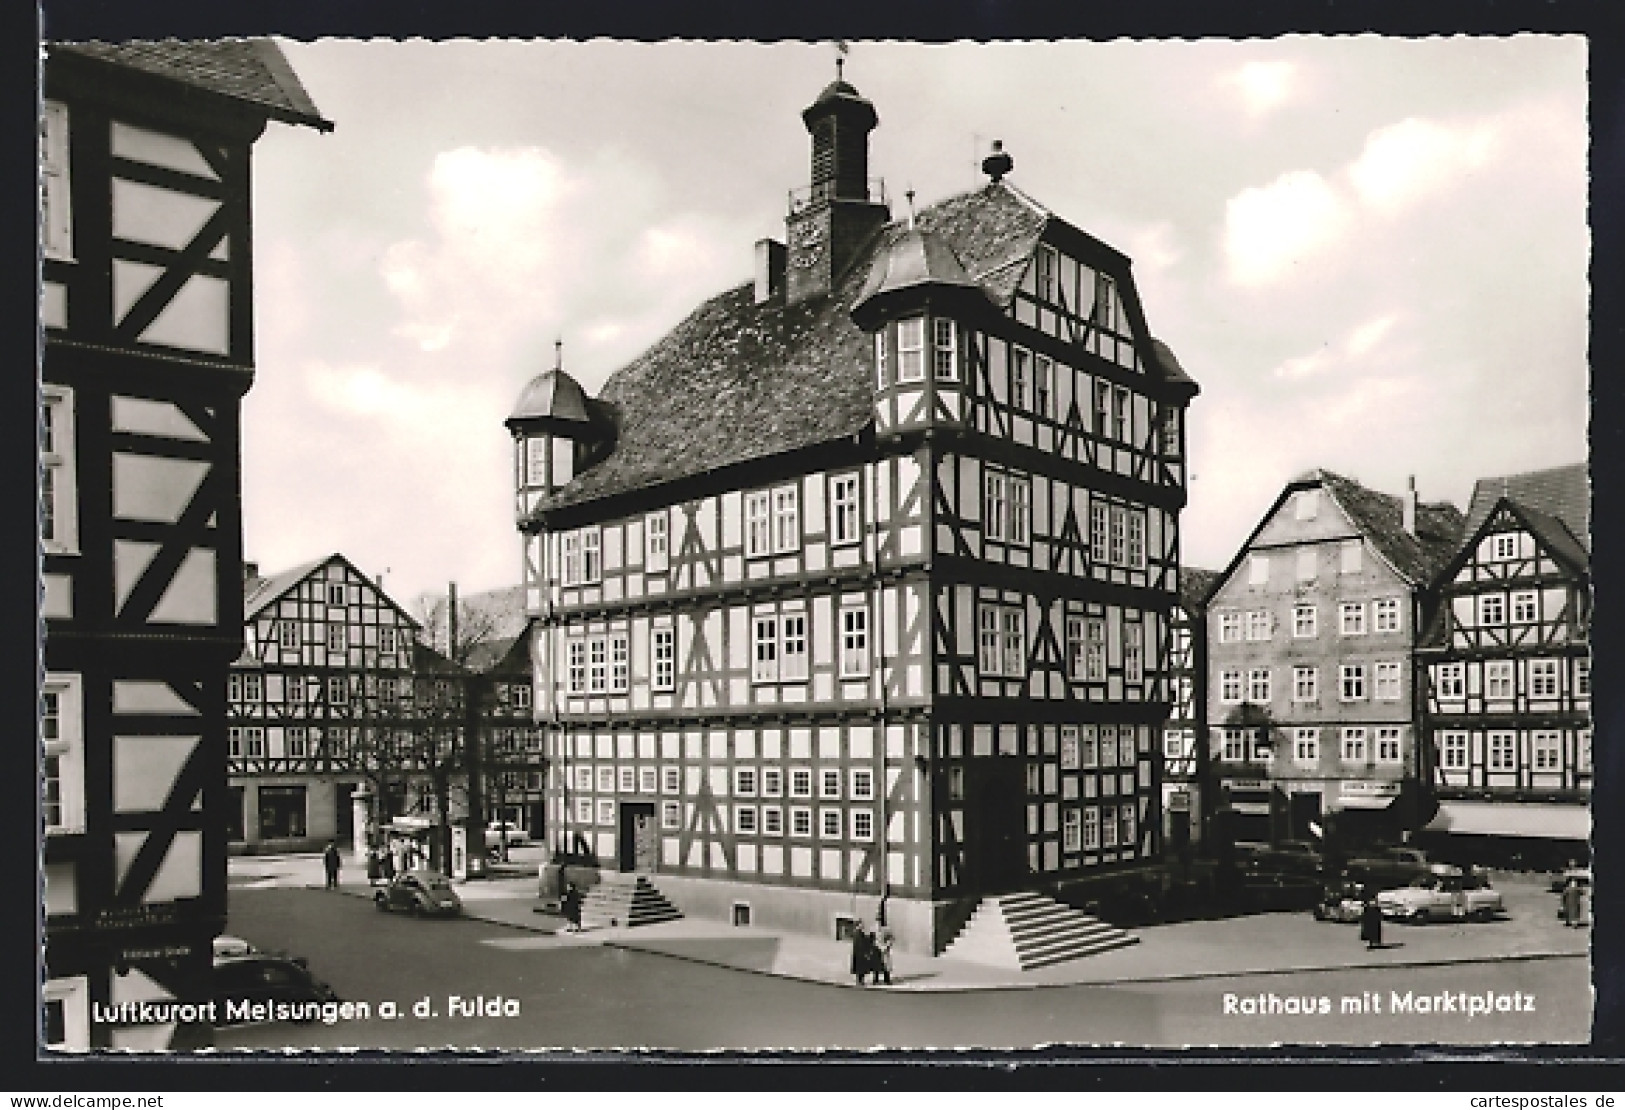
(1436, 897)
(1341, 902)
(419, 892)
(1384, 868)
(265, 978)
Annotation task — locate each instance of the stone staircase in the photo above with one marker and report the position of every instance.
(626, 900)
(1026, 930)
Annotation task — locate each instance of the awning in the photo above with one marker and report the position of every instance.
(1541, 820)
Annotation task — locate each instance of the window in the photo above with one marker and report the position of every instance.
(59, 495)
(1043, 376)
(800, 821)
(1044, 273)
(1230, 687)
(606, 780)
(570, 558)
(648, 780)
(854, 642)
(1582, 678)
(1108, 827)
(577, 680)
(863, 824)
(1119, 536)
(597, 665)
(1097, 531)
(583, 778)
(298, 743)
(584, 811)
(1503, 751)
(1351, 681)
(1233, 745)
(296, 688)
(1136, 539)
(829, 821)
(800, 782)
(1492, 609)
(255, 739)
(1543, 678)
(1306, 746)
(1175, 743)
(386, 639)
(758, 524)
(993, 519)
(1386, 614)
(1308, 564)
(535, 461)
(287, 635)
(592, 562)
(989, 659)
(1452, 680)
(843, 500)
(1126, 819)
(945, 356)
(1304, 623)
(1388, 749)
(793, 657)
(1014, 623)
(335, 593)
(911, 349)
(1525, 606)
(671, 815)
(1454, 751)
(1018, 378)
(745, 781)
(1120, 414)
(335, 637)
(1105, 303)
(663, 659)
(521, 696)
(1229, 628)
(956, 783)
(1351, 618)
(1071, 830)
(1498, 677)
(386, 691)
(1258, 624)
(618, 655)
(253, 687)
(1133, 660)
(337, 692)
(1020, 531)
(1074, 648)
(1582, 750)
(745, 819)
(62, 738)
(786, 520)
(1258, 685)
(772, 782)
(1103, 406)
(1170, 432)
(627, 780)
(655, 552)
(1095, 650)
(1504, 545)
(1387, 681)
(1351, 557)
(1091, 829)
(606, 812)
(56, 212)
(765, 667)
(1088, 747)
(1305, 684)
(1353, 745)
(882, 370)
(1069, 748)
(1258, 570)
(234, 746)
(829, 783)
(772, 821)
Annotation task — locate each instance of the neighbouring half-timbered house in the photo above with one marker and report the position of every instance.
(855, 587)
(147, 308)
(1312, 710)
(1508, 671)
(1186, 781)
(319, 704)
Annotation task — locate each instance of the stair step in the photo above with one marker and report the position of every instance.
(1027, 930)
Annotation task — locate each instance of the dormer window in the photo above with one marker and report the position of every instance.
(946, 355)
(911, 349)
(536, 461)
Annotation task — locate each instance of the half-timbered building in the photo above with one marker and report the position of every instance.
(320, 703)
(147, 307)
(855, 587)
(1186, 785)
(1311, 708)
(1508, 672)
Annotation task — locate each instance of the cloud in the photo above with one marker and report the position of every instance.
(1271, 230)
(1351, 355)
(1415, 158)
(1262, 86)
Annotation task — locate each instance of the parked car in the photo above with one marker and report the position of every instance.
(232, 946)
(419, 892)
(1291, 857)
(1435, 897)
(1387, 868)
(1341, 902)
(499, 831)
(264, 977)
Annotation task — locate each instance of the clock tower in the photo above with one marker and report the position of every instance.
(839, 210)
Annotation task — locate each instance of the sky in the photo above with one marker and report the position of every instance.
(1370, 253)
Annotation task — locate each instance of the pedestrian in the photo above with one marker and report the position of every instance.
(570, 903)
(1573, 904)
(862, 950)
(884, 940)
(375, 870)
(330, 864)
(386, 863)
(1371, 924)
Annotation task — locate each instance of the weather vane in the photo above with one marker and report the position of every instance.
(841, 51)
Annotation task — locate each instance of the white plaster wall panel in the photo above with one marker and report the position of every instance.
(159, 217)
(191, 597)
(57, 602)
(145, 769)
(733, 514)
(139, 144)
(154, 489)
(829, 864)
(130, 281)
(196, 318)
(54, 304)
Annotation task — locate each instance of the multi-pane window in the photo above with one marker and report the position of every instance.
(1503, 754)
(800, 821)
(648, 780)
(1388, 747)
(786, 520)
(1306, 745)
(287, 635)
(911, 349)
(1094, 656)
(1069, 748)
(298, 743)
(854, 642)
(758, 524)
(577, 672)
(1233, 745)
(335, 637)
(663, 659)
(338, 692)
(335, 593)
(1351, 618)
(1498, 679)
(671, 780)
(254, 738)
(627, 780)
(1006, 507)
(1230, 687)
(1088, 747)
(1126, 823)
(570, 558)
(584, 811)
(618, 658)
(1043, 377)
(1258, 624)
(1388, 683)
(1091, 828)
(1304, 624)
(1044, 273)
(295, 687)
(606, 780)
(829, 783)
(1452, 680)
(1385, 614)
(882, 368)
(597, 665)
(1108, 827)
(56, 213)
(1013, 624)
(1103, 406)
(993, 505)
(1543, 678)
(800, 782)
(1525, 607)
(1119, 536)
(1074, 648)
(1453, 751)
(772, 782)
(772, 821)
(1133, 658)
(1170, 432)
(671, 815)
(745, 782)
(765, 655)
(1229, 628)
(1492, 609)
(1105, 314)
(793, 660)
(1020, 530)
(1546, 749)
(1136, 540)
(1504, 545)
(606, 812)
(62, 737)
(863, 784)
(1120, 414)
(387, 642)
(843, 502)
(1071, 830)
(829, 821)
(1354, 745)
(1018, 378)
(1258, 685)
(592, 559)
(1305, 683)
(655, 543)
(1582, 678)
(1351, 681)
(945, 351)
(1098, 528)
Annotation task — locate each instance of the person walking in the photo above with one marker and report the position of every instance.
(570, 903)
(884, 940)
(1573, 904)
(330, 864)
(862, 950)
(1371, 924)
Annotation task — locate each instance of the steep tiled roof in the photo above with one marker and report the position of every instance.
(1194, 586)
(1380, 516)
(250, 71)
(1562, 492)
(740, 380)
(258, 592)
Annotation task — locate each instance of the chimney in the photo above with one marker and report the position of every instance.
(1408, 507)
(251, 571)
(769, 269)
